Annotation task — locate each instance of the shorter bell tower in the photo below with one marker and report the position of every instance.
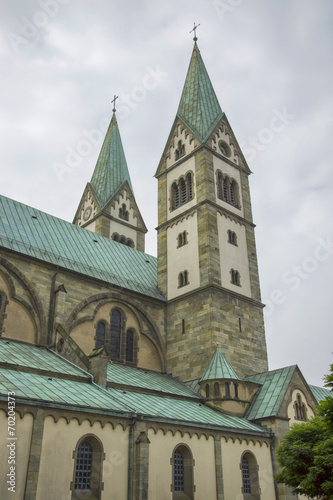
(108, 205)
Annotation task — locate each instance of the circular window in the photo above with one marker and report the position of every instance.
(225, 149)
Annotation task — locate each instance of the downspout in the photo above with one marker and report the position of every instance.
(51, 309)
(130, 457)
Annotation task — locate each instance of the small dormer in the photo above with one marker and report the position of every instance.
(223, 390)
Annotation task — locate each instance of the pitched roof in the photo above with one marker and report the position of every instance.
(320, 393)
(270, 396)
(111, 168)
(34, 387)
(219, 368)
(199, 107)
(36, 234)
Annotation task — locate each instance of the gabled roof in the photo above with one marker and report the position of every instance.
(270, 396)
(36, 234)
(219, 368)
(177, 405)
(320, 393)
(111, 169)
(199, 107)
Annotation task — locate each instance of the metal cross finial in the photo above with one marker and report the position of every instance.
(195, 31)
(114, 103)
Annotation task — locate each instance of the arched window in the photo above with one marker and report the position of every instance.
(100, 334)
(180, 151)
(227, 389)
(178, 471)
(115, 237)
(174, 196)
(183, 279)
(182, 474)
(83, 467)
(182, 239)
(236, 390)
(123, 213)
(3, 303)
(87, 480)
(226, 196)
(130, 346)
(207, 390)
(183, 194)
(115, 334)
(250, 478)
(220, 185)
(235, 277)
(232, 238)
(217, 390)
(189, 186)
(246, 475)
(300, 409)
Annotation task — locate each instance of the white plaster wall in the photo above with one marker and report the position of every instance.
(160, 470)
(57, 463)
(232, 256)
(183, 258)
(122, 230)
(291, 409)
(123, 199)
(174, 175)
(23, 431)
(91, 226)
(233, 173)
(232, 474)
(180, 134)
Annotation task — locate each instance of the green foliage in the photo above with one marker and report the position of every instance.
(306, 453)
(325, 407)
(306, 458)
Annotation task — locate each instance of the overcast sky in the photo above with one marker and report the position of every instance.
(270, 63)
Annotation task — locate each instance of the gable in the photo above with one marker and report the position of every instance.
(124, 196)
(224, 135)
(179, 133)
(88, 207)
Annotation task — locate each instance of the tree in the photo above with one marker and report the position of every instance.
(306, 453)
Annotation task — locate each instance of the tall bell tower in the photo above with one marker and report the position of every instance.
(207, 263)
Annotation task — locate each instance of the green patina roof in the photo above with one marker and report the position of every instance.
(143, 379)
(111, 168)
(219, 368)
(57, 391)
(320, 393)
(37, 358)
(199, 107)
(270, 396)
(42, 236)
(34, 387)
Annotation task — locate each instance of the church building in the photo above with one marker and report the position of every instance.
(129, 377)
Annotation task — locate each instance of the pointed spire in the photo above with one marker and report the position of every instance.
(111, 169)
(199, 107)
(219, 368)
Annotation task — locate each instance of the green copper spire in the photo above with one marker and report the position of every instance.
(219, 368)
(199, 107)
(111, 168)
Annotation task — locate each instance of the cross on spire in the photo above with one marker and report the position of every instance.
(114, 103)
(195, 31)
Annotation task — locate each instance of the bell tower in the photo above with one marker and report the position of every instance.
(108, 205)
(207, 264)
